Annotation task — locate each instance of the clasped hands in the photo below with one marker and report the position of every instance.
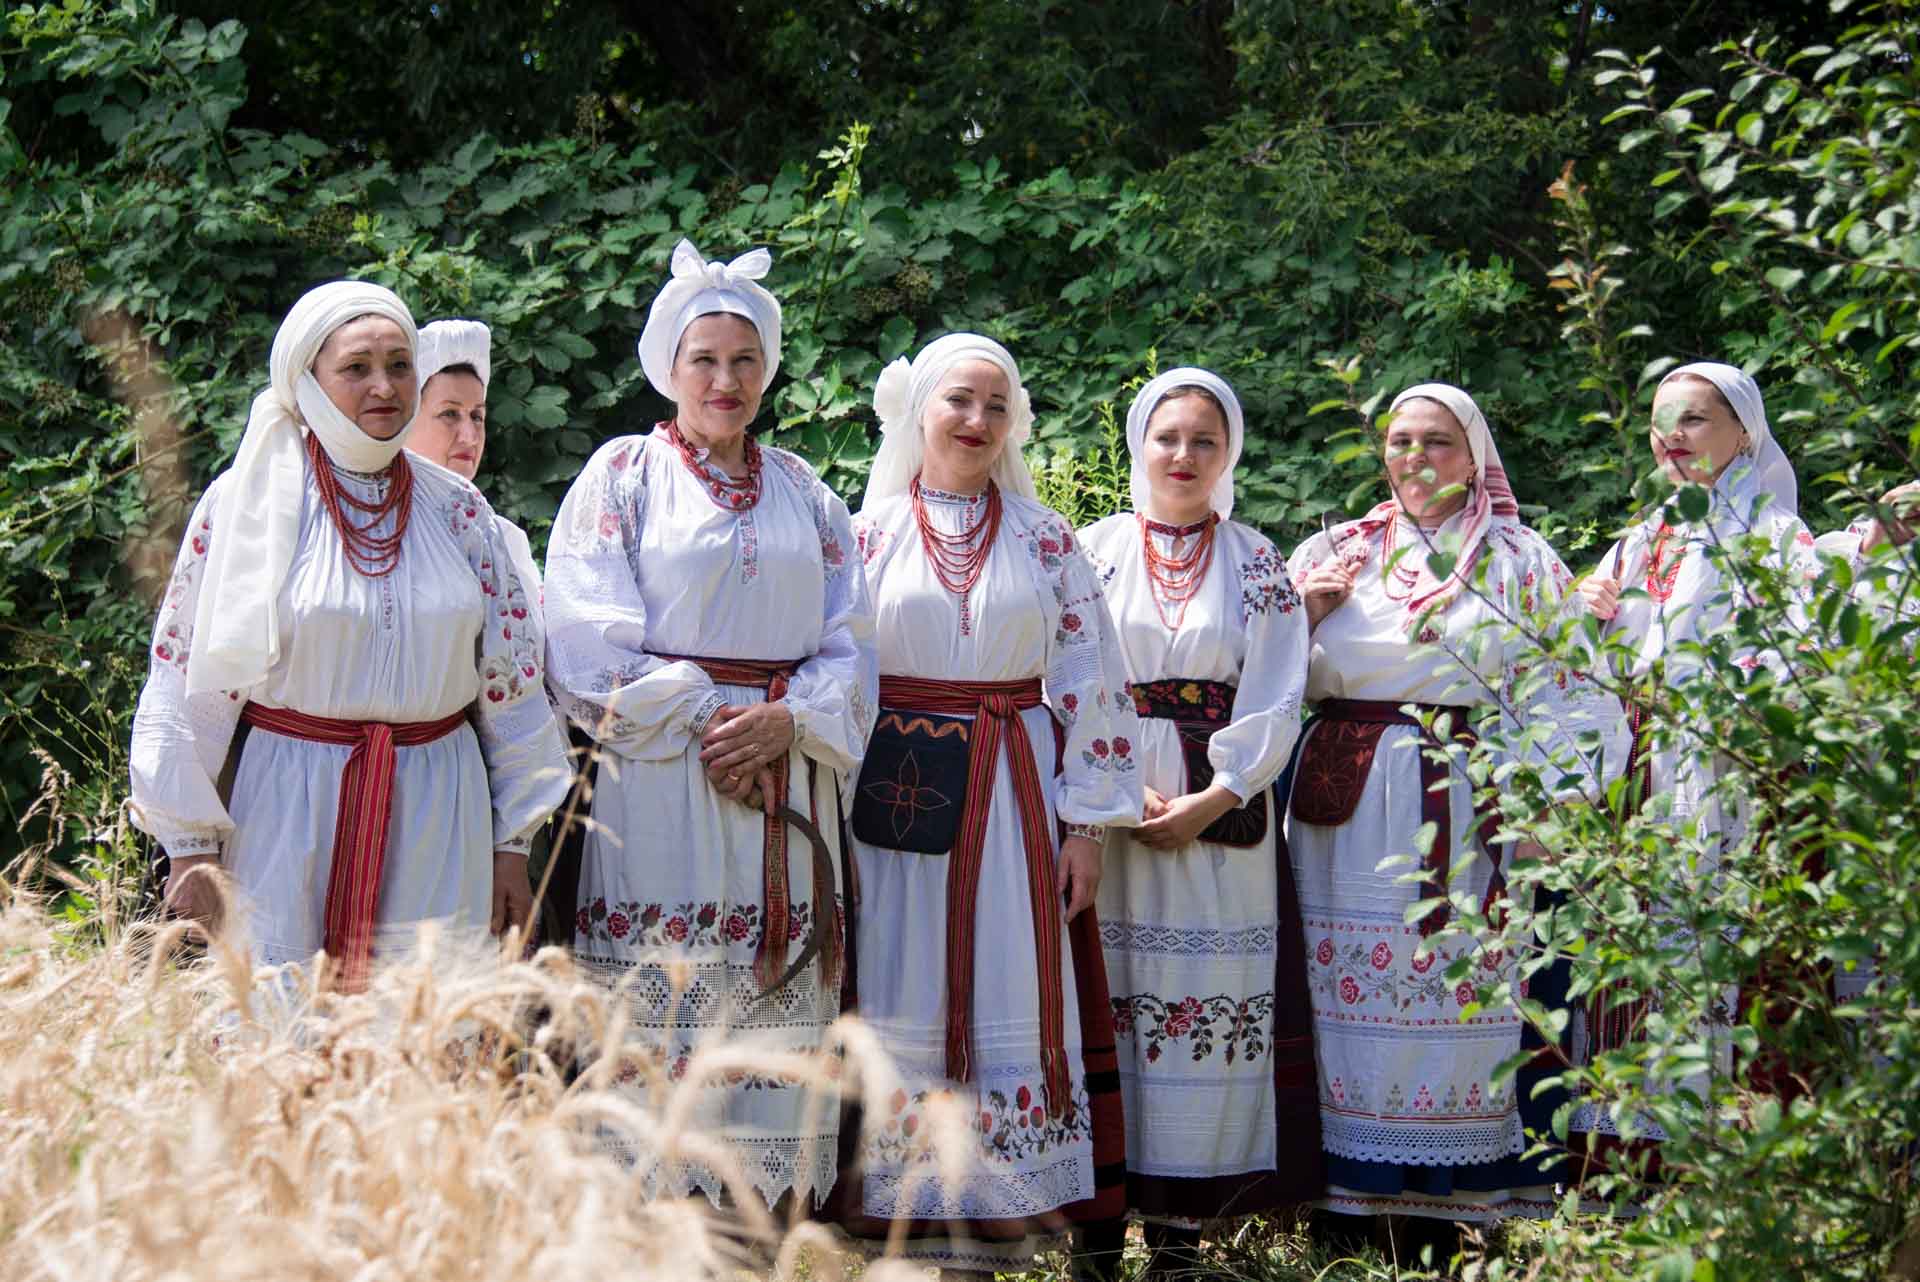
(740, 748)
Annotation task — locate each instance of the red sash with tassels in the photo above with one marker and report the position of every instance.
(1334, 766)
(365, 816)
(995, 707)
(770, 958)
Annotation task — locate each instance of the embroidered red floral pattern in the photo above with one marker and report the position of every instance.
(1239, 1030)
(632, 924)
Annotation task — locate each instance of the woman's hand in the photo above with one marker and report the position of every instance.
(1185, 817)
(1155, 807)
(1325, 589)
(512, 892)
(741, 747)
(1902, 500)
(193, 891)
(1600, 595)
(1080, 861)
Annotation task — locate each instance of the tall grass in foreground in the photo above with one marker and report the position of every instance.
(210, 1122)
(159, 1122)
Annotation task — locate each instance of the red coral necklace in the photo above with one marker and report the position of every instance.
(1662, 573)
(734, 496)
(1176, 577)
(958, 559)
(373, 555)
(1407, 578)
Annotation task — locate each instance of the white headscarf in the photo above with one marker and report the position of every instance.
(900, 398)
(455, 342)
(1149, 400)
(1767, 471)
(700, 288)
(236, 629)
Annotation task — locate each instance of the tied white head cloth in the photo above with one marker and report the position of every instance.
(700, 288)
(1768, 471)
(900, 398)
(1489, 497)
(455, 342)
(1149, 400)
(236, 628)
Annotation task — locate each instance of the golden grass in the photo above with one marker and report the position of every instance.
(206, 1122)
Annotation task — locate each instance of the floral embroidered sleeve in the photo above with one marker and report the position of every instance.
(1249, 753)
(1086, 686)
(835, 695)
(597, 661)
(1309, 556)
(180, 741)
(1546, 708)
(527, 772)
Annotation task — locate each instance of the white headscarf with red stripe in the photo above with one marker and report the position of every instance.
(1489, 499)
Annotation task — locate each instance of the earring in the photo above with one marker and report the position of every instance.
(1746, 443)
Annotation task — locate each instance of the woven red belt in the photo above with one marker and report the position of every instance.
(770, 958)
(1436, 795)
(364, 818)
(995, 707)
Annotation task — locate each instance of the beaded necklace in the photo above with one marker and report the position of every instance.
(727, 493)
(1661, 574)
(373, 555)
(958, 559)
(1176, 578)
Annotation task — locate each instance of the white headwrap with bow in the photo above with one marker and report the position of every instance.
(900, 398)
(455, 342)
(700, 288)
(1141, 412)
(256, 525)
(1767, 470)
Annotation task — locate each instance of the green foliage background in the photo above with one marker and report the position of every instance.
(1258, 187)
(1547, 204)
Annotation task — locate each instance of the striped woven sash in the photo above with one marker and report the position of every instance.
(361, 826)
(996, 707)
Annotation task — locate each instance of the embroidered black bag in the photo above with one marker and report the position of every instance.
(913, 782)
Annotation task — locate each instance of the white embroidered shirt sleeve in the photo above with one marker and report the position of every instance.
(598, 665)
(835, 695)
(1547, 709)
(1086, 685)
(527, 773)
(180, 741)
(1249, 753)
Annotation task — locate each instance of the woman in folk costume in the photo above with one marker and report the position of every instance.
(709, 628)
(1004, 713)
(456, 367)
(1199, 918)
(1411, 1118)
(356, 612)
(1709, 428)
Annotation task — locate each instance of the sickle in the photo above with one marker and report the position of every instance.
(824, 920)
